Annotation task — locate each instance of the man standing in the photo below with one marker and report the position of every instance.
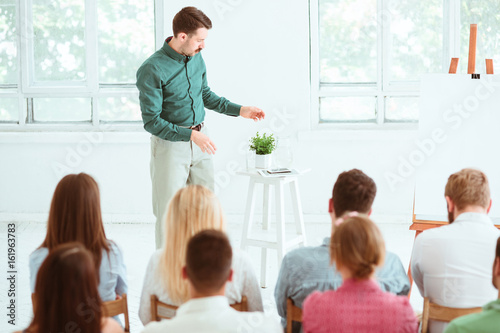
(452, 264)
(308, 269)
(173, 95)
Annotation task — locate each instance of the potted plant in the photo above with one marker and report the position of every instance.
(263, 147)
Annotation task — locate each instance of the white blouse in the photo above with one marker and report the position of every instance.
(244, 283)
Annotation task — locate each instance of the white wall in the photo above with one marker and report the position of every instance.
(257, 54)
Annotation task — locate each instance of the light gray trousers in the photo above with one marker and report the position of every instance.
(173, 166)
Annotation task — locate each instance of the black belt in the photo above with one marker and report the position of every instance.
(197, 127)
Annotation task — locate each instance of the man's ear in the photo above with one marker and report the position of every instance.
(230, 277)
(182, 36)
(451, 204)
(184, 273)
(331, 211)
(496, 267)
(489, 207)
(370, 212)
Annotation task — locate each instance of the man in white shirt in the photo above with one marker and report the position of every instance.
(452, 264)
(208, 268)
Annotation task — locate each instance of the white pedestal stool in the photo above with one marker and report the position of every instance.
(280, 244)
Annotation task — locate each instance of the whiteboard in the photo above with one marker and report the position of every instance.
(459, 127)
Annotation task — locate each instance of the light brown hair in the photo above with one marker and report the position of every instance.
(353, 191)
(357, 244)
(75, 216)
(192, 209)
(468, 187)
(190, 19)
(208, 260)
(66, 293)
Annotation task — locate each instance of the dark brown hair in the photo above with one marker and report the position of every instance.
(468, 187)
(208, 260)
(358, 245)
(66, 296)
(190, 19)
(353, 191)
(75, 216)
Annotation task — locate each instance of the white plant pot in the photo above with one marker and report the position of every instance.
(263, 161)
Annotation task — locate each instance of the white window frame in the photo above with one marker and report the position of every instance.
(27, 89)
(381, 89)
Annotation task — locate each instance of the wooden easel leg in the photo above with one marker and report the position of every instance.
(453, 66)
(489, 66)
(472, 49)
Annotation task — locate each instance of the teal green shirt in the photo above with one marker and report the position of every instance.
(487, 321)
(174, 93)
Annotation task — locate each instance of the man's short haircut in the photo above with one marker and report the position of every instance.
(208, 260)
(190, 19)
(353, 191)
(468, 187)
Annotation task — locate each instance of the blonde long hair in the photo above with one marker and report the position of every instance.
(193, 208)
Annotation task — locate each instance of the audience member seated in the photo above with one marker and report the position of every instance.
(358, 305)
(192, 209)
(488, 321)
(208, 269)
(75, 216)
(305, 270)
(452, 264)
(66, 294)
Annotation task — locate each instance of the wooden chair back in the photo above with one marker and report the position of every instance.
(159, 308)
(117, 307)
(110, 309)
(293, 313)
(442, 313)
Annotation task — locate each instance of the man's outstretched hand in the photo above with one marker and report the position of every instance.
(252, 112)
(201, 140)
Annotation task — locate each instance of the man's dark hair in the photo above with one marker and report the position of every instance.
(208, 260)
(190, 19)
(353, 191)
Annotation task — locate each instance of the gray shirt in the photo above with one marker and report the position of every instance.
(307, 269)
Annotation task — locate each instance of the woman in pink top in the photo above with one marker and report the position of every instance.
(359, 305)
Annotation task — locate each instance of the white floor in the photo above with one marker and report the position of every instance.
(137, 242)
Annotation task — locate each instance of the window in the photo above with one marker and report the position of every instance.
(72, 61)
(368, 55)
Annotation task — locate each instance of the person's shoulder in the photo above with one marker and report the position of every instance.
(109, 325)
(159, 326)
(317, 296)
(257, 321)
(306, 253)
(39, 254)
(468, 323)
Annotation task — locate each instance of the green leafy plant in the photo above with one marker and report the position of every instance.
(262, 145)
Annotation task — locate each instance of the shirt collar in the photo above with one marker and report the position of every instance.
(172, 53)
(473, 217)
(213, 303)
(326, 242)
(495, 305)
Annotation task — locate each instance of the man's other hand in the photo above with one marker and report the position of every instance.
(201, 140)
(252, 112)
